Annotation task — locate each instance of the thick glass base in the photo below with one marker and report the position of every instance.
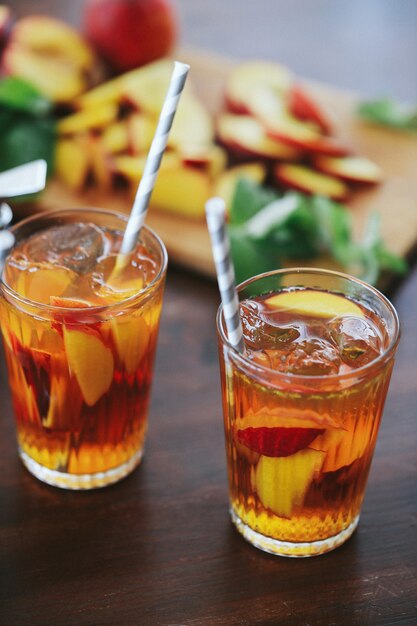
(80, 481)
(288, 548)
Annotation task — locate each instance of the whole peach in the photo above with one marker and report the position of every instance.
(130, 33)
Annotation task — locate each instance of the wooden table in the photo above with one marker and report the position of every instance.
(158, 549)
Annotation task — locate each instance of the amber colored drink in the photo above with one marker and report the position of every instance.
(79, 331)
(303, 406)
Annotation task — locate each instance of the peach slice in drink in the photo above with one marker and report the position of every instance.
(90, 361)
(314, 303)
(131, 338)
(282, 482)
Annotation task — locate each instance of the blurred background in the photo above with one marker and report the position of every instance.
(367, 46)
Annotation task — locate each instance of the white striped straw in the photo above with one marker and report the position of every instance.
(153, 161)
(216, 223)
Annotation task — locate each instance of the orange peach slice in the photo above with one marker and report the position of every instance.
(90, 361)
(309, 181)
(352, 169)
(89, 119)
(314, 302)
(281, 483)
(52, 37)
(45, 281)
(131, 337)
(304, 106)
(57, 80)
(284, 417)
(73, 161)
(141, 129)
(250, 76)
(115, 137)
(244, 135)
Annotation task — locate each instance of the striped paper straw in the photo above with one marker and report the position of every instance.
(154, 158)
(216, 223)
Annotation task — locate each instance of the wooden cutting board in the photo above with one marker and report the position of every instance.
(187, 239)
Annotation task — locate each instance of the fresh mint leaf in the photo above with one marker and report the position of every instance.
(389, 113)
(26, 139)
(267, 229)
(249, 198)
(19, 95)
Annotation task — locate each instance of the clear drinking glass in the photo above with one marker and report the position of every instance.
(80, 336)
(301, 418)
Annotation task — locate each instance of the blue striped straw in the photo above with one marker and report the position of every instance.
(216, 223)
(154, 158)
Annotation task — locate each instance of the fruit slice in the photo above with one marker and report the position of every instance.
(178, 189)
(72, 162)
(89, 119)
(245, 136)
(277, 442)
(248, 77)
(131, 338)
(305, 107)
(43, 282)
(54, 78)
(314, 302)
(309, 181)
(141, 130)
(281, 483)
(286, 418)
(90, 361)
(115, 137)
(48, 36)
(352, 169)
(211, 159)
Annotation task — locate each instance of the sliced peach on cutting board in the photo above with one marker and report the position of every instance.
(55, 79)
(192, 124)
(131, 337)
(115, 137)
(89, 119)
(281, 483)
(211, 159)
(252, 75)
(307, 180)
(141, 130)
(90, 361)
(313, 302)
(49, 36)
(244, 135)
(100, 164)
(353, 169)
(304, 106)
(73, 161)
(178, 189)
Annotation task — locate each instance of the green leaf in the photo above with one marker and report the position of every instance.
(389, 113)
(20, 95)
(269, 228)
(26, 139)
(249, 198)
(248, 257)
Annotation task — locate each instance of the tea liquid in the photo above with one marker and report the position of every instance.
(80, 353)
(301, 429)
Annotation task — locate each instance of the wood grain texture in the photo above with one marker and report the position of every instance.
(158, 549)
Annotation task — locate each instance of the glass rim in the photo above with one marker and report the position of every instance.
(4, 287)
(310, 378)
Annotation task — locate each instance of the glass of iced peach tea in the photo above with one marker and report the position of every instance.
(302, 406)
(80, 335)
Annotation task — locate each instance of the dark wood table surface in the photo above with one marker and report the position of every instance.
(158, 548)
